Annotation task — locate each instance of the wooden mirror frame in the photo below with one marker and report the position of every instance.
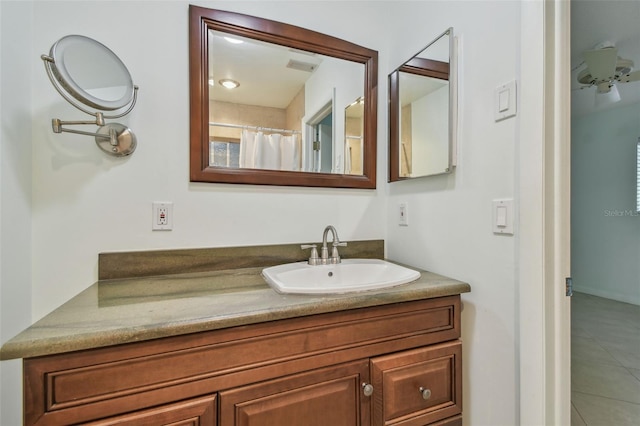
(203, 19)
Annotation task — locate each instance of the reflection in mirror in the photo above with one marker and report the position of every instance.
(421, 112)
(263, 102)
(265, 113)
(320, 153)
(638, 176)
(353, 132)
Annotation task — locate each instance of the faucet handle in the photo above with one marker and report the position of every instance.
(335, 256)
(313, 257)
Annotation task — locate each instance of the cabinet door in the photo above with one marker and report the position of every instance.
(194, 412)
(329, 396)
(418, 387)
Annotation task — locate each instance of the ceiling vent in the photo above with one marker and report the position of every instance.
(301, 66)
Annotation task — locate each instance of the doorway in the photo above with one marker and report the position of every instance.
(320, 134)
(605, 319)
(323, 145)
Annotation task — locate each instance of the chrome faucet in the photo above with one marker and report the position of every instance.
(324, 258)
(324, 252)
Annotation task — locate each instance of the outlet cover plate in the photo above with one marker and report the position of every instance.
(403, 214)
(162, 216)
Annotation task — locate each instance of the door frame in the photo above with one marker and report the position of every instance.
(544, 213)
(310, 124)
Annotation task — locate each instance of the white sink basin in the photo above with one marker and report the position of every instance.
(349, 276)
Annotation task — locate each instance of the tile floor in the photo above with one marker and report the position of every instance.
(605, 362)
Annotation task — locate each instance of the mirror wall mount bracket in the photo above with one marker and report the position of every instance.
(112, 138)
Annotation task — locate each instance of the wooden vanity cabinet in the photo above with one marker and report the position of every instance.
(311, 370)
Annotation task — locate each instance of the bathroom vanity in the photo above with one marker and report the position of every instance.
(220, 347)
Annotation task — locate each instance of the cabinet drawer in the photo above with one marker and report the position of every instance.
(196, 412)
(418, 387)
(452, 421)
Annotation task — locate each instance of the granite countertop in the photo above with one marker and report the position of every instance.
(146, 295)
(130, 310)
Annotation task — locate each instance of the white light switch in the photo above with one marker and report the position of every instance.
(505, 101)
(502, 217)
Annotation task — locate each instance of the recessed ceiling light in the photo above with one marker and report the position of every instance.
(211, 82)
(229, 84)
(233, 40)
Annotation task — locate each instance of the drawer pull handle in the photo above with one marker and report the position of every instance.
(367, 388)
(426, 393)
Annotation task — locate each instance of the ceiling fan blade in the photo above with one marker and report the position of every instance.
(632, 76)
(602, 63)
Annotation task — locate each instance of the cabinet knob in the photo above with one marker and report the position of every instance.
(367, 388)
(426, 393)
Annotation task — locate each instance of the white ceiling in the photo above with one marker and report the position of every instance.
(597, 21)
(260, 68)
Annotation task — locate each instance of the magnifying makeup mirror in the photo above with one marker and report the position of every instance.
(86, 73)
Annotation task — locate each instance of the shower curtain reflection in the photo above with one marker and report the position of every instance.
(269, 151)
(250, 149)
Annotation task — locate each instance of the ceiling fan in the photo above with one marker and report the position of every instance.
(604, 70)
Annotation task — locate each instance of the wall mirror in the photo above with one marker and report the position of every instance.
(92, 78)
(422, 112)
(268, 104)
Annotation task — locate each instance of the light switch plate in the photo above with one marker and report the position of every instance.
(505, 101)
(502, 217)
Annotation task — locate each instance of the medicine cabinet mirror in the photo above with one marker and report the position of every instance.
(268, 104)
(422, 112)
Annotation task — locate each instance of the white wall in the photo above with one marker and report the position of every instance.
(85, 203)
(605, 224)
(449, 228)
(15, 193)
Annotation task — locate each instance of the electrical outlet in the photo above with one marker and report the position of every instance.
(162, 216)
(403, 214)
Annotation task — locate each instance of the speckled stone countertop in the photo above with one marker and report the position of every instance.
(125, 310)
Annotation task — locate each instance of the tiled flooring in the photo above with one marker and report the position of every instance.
(605, 362)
